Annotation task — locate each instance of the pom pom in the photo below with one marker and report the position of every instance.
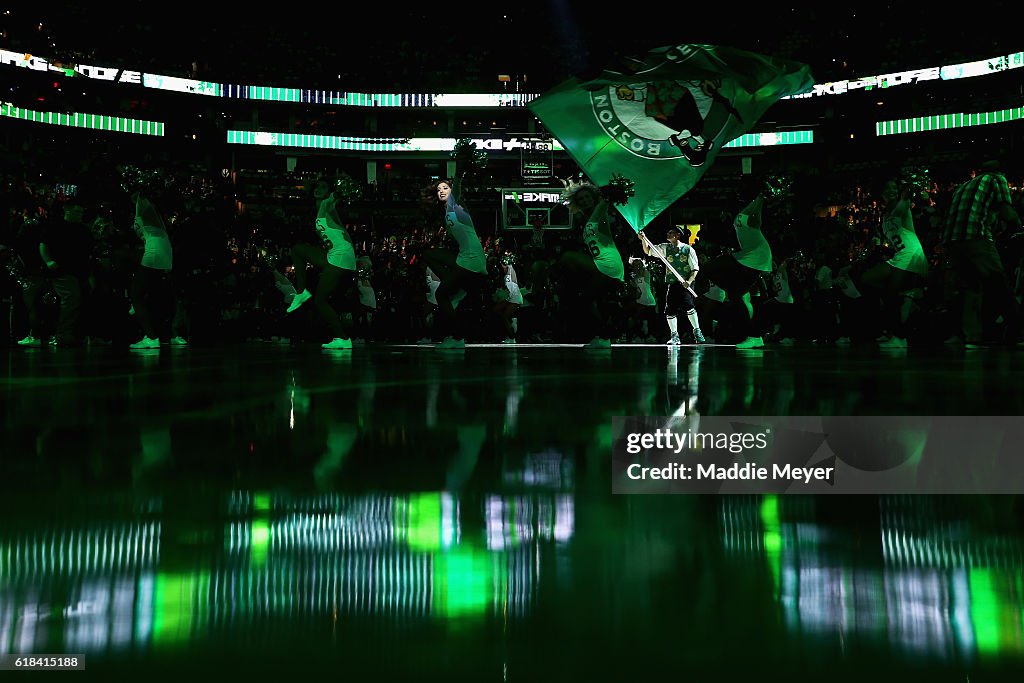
(146, 181)
(14, 266)
(778, 186)
(267, 257)
(618, 190)
(914, 180)
(508, 259)
(467, 157)
(347, 189)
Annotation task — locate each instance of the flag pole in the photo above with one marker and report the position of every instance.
(654, 250)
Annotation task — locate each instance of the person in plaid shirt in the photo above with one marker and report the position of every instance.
(973, 260)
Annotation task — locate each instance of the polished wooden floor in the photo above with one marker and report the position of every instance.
(407, 512)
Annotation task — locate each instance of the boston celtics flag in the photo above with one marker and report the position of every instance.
(661, 120)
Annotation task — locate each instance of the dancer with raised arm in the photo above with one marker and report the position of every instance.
(466, 270)
(336, 259)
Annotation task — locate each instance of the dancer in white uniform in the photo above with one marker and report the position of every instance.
(507, 308)
(738, 272)
(894, 280)
(151, 275)
(337, 265)
(591, 281)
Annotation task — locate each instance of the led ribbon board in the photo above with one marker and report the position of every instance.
(950, 72)
(480, 100)
(791, 137)
(114, 124)
(356, 144)
(267, 93)
(924, 124)
(348, 143)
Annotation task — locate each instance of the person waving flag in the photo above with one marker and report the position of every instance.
(661, 120)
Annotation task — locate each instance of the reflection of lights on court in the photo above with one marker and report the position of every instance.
(545, 469)
(305, 557)
(463, 580)
(516, 520)
(260, 531)
(423, 530)
(995, 598)
(175, 598)
(70, 552)
(100, 614)
(772, 538)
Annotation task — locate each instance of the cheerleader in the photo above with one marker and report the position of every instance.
(367, 298)
(509, 306)
(337, 264)
(642, 310)
(894, 279)
(466, 270)
(739, 272)
(592, 280)
(150, 280)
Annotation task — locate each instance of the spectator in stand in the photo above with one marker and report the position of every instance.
(972, 259)
(66, 247)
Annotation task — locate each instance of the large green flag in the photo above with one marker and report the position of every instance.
(661, 120)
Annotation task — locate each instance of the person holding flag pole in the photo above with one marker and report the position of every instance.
(679, 295)
(662, 120)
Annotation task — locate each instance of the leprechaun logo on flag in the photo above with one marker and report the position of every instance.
(661, 120)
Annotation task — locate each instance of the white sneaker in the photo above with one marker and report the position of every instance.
(30, 341)
(450, 343)
(337, 343)
(598, 343)
(751, 343)
(146, 343)
(509, 341)
(300, 298)
(178, 341)
(674, 341)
